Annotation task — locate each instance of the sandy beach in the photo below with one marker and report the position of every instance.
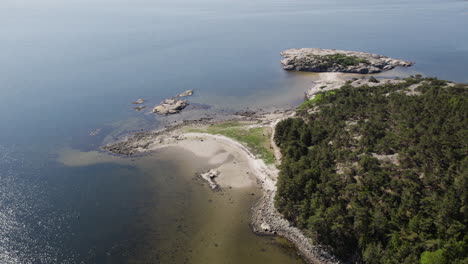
(238, 167)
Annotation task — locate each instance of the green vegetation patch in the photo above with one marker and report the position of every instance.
(317, 98)
(257, 139)
(378, 175)
(340, 59)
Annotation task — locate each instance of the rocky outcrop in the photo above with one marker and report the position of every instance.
(186, 93)
(266, 220)
(324, 86)
(209, 177)
(331, 60)
(392, 159)
(172, 105)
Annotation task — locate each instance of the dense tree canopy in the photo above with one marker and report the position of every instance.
(380, 174)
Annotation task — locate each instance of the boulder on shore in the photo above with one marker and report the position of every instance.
(331, 60)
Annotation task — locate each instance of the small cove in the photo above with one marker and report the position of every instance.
(184, 221)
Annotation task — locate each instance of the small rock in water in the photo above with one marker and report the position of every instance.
(186, 93)
(95, 132)
(139, 108)
(170, 106)
(209, 177)
(139, 101)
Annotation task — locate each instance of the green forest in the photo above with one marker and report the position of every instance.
(379, 174)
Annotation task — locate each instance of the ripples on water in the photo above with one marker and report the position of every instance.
(25, 235)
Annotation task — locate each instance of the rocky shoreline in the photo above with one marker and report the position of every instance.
(266, 220)
(331, 60)
(139, 142)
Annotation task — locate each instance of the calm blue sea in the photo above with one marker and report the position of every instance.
(70, 67)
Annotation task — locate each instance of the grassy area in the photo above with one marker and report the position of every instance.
(257, 139)
(317, 98)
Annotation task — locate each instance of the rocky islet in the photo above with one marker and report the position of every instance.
(172, 105)
(331, 60)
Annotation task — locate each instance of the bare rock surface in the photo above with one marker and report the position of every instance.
(266, 220)
(186, 93)
(331, 60)
(172, 105)
(210, 178)
(329, 85)
(393, 159)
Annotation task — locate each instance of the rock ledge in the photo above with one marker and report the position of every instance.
(172, 105)
(331, 60)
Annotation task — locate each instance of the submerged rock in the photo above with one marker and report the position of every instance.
(170, 106)
(331, 60)
(95, 132)
(138, 101)
(186, 93)
(139, 108)
(246, 113)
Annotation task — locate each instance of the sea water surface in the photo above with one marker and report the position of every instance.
(68, 68)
